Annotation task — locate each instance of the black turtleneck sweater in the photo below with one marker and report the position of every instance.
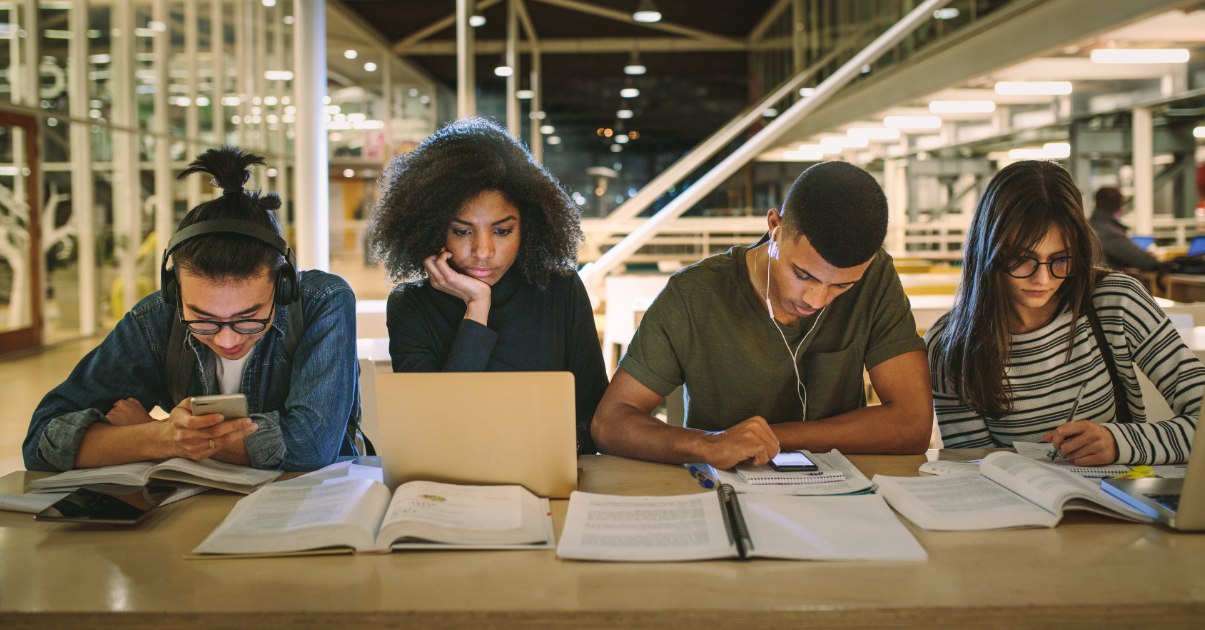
(530, 330)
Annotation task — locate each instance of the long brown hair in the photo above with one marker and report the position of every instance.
(1022, 203)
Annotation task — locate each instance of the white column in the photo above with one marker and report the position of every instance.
(387, 101)
(537, 104)
(896, 191)
(513, 124)
(82, 206)
(259, 83)
(312, 218)
(1144, 172)
(192, 116)
(165, 223)
(32, 77)
(242, 131)
(127, 200)
(466, 68)
(217, 44)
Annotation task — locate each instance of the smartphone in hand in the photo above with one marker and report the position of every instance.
(231, 406)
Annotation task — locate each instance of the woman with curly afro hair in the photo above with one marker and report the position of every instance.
(481, 244)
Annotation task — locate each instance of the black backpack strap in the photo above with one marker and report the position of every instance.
(1121, 400)
(178, 365)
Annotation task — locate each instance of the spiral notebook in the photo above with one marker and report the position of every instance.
(765, 475)
(1040, 451)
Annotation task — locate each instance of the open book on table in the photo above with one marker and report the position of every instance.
(358, 515)
(725, 524)
(1010, 490)
(207, 472)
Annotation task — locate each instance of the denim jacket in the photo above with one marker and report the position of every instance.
(302, 407)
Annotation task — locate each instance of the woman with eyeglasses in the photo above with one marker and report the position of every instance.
(1035, 319)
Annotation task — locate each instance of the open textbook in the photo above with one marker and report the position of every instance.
(357, 514)
(725, 524)
(1011, 491)
(833, 461)
(207, 472)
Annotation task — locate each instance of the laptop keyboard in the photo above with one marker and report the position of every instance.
(1169, 501)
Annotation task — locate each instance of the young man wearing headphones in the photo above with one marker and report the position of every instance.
(770, 342)
(234, 316)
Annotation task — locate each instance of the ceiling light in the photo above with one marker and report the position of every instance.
(912, 122)
(945, 14)
(846, 142)
(805, 153)
(503, 71)
(1140, 55)
(634, 66)
(525, 94)
(962, 107)
(646, 11)
(629, 93)
(370, 67)
(476, 20)
(874, 133)
(1049, 151)
(1033, 88)
(547, 129)
(350, 54)
(623, 113)
(554, 140)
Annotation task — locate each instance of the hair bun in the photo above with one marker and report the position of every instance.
(229, 166)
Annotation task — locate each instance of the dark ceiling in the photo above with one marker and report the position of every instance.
(684, 96)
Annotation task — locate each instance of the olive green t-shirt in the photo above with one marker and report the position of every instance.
(709, 329)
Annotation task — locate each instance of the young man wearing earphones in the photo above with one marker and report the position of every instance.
(770, 342)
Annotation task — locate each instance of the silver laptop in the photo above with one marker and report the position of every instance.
(481, 428)
(1179, 503)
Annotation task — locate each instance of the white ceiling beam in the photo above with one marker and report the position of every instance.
(582, 46)
(435, 27)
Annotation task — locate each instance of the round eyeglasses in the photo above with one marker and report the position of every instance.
(242, 327)
(1025, 267)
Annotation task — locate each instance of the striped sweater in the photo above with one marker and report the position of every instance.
(1044, 382)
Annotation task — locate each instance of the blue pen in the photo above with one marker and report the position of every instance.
(704, 480)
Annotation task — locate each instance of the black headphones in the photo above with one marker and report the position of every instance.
(288, 280)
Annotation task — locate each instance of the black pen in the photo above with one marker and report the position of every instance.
(1054, 451)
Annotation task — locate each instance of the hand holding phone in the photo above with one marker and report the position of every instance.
(229, 406)
(793, 461)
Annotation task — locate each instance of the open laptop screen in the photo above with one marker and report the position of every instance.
(1197, 247)
(1143, 242)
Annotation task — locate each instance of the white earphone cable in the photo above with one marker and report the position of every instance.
(803, 400)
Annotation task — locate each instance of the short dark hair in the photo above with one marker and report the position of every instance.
(229, 256)
(422, 191)
(841, 209)
(1109, 199)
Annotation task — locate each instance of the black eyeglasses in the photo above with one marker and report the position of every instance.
(242, 327)
(1025, 267)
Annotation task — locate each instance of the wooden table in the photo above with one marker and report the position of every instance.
(1089, 572)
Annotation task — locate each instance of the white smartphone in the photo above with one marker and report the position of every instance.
(231, 406)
